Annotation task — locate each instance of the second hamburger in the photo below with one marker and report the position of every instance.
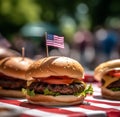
(12, 76)
(108, 73)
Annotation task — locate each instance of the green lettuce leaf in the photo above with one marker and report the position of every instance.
(47, 92)
(28, 92)
(115, 89)
(88, 90)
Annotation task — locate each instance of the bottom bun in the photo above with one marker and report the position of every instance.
(63, 100)
(11, 93)
(108, 94)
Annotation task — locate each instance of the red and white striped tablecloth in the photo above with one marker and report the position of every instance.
(93, 106)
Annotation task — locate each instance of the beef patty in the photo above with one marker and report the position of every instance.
(64, 89)
(7, 82)
(115, 84)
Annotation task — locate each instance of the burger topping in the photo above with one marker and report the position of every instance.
(40, 87)
(12, 83)
(111, 80)
(54, 85)
(54, 80)
(58, 80)
(114, 73)
(108, 80)
(115, 86)
(47, 91)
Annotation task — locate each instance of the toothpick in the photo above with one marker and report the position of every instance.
(46, 45)
(23, 53)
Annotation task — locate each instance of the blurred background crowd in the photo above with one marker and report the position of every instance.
(91, 28)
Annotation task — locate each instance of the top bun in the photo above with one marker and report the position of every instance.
(55, 66)
(103, 68)
(15, 66)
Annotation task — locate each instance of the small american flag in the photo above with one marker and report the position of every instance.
(54, 40)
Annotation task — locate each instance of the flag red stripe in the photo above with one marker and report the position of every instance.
(55, 44)
(50, 42)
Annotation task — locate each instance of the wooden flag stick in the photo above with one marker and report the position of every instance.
(47, 50)
(46, 44)
(23, 53)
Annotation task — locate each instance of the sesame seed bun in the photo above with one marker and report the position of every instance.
(104, 67)
(15, 67)
(63, 100)
(11, 93)
(55, 66)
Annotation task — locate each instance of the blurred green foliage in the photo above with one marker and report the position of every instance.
(67, 15)
(15, 13)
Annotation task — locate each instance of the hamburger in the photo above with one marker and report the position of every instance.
(12, 76)
(108, 73)
(56, 81)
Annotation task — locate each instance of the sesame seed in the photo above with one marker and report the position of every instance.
(73, 68)
(68, 66)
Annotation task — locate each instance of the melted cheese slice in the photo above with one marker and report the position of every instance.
(108, 80)
(29, 82)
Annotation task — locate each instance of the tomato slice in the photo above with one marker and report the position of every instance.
(111, 72)
(58, 80)
(117, 74)
(114, 73)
